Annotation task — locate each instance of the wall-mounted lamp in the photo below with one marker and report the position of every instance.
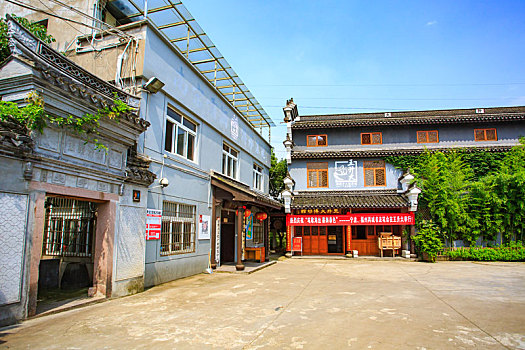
(153, 85)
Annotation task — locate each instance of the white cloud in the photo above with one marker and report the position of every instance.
(431, 23)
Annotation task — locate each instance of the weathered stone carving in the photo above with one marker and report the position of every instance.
(137, 169)
(15, 138)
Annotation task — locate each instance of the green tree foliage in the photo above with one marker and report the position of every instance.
(278, 171)
(33, 117)
(444, 179)
(471, 194)
(481, 162)
(497, 201)
(427, 239)
(38, 30)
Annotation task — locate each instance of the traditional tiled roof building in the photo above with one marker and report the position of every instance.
(338, 169)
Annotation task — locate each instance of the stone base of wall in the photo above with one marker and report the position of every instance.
(165, 271)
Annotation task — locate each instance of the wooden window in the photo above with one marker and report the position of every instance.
(316, 140)
(371, 138)
(317, 174)
(375, 174)
(358, 232)
(485, 135)
(427, 136)
(306, 230)
(258, 232)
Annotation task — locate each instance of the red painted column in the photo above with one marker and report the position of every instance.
(348, 239)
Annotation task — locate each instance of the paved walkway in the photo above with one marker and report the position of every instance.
(303, 303)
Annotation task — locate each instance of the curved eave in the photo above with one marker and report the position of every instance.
(323, 124)
(392, 152)
(386, 199)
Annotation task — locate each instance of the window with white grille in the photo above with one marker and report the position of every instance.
(178, 228)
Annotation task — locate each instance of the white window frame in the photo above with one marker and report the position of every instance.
(258, 178)
(175, 135)
(232, 162)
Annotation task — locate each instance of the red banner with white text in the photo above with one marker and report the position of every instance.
(351, 219)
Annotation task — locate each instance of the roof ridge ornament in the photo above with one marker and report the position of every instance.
(290, 111)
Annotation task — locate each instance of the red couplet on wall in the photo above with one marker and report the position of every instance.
(297, 244)
(351, 219)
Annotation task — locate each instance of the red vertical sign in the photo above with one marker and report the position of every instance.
(153, 223)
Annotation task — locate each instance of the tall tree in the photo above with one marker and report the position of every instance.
(444, 179)
(278, 171)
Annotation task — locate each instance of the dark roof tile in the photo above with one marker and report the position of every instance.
(450, 116)
(349, 199)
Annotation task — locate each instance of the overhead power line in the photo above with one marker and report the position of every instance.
(395, 99)
(392, 85)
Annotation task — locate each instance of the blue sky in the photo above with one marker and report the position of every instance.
(366, 56)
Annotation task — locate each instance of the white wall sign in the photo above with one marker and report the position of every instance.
(218, 241)
(153, 223)
(345, 173)
(204, 227)
(234, 127)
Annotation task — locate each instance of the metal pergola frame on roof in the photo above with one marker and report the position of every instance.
(179, 27)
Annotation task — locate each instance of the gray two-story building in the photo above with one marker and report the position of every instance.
(337, 169)
(207, 146)
(208, 142)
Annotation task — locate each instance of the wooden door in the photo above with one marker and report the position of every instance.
(314, 239)
(364, 240)
(323, 240)
(307, 245)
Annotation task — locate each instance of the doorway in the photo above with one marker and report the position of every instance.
(66, 266)
(335, 239)
(227, 243)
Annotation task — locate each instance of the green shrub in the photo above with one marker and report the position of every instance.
(508, 252)
(428, 240)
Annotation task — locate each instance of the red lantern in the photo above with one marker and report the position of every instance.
(247, 213)
(261, 216)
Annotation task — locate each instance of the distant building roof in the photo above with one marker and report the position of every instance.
(448, 116)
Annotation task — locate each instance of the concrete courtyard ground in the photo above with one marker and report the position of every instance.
(304, 303)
